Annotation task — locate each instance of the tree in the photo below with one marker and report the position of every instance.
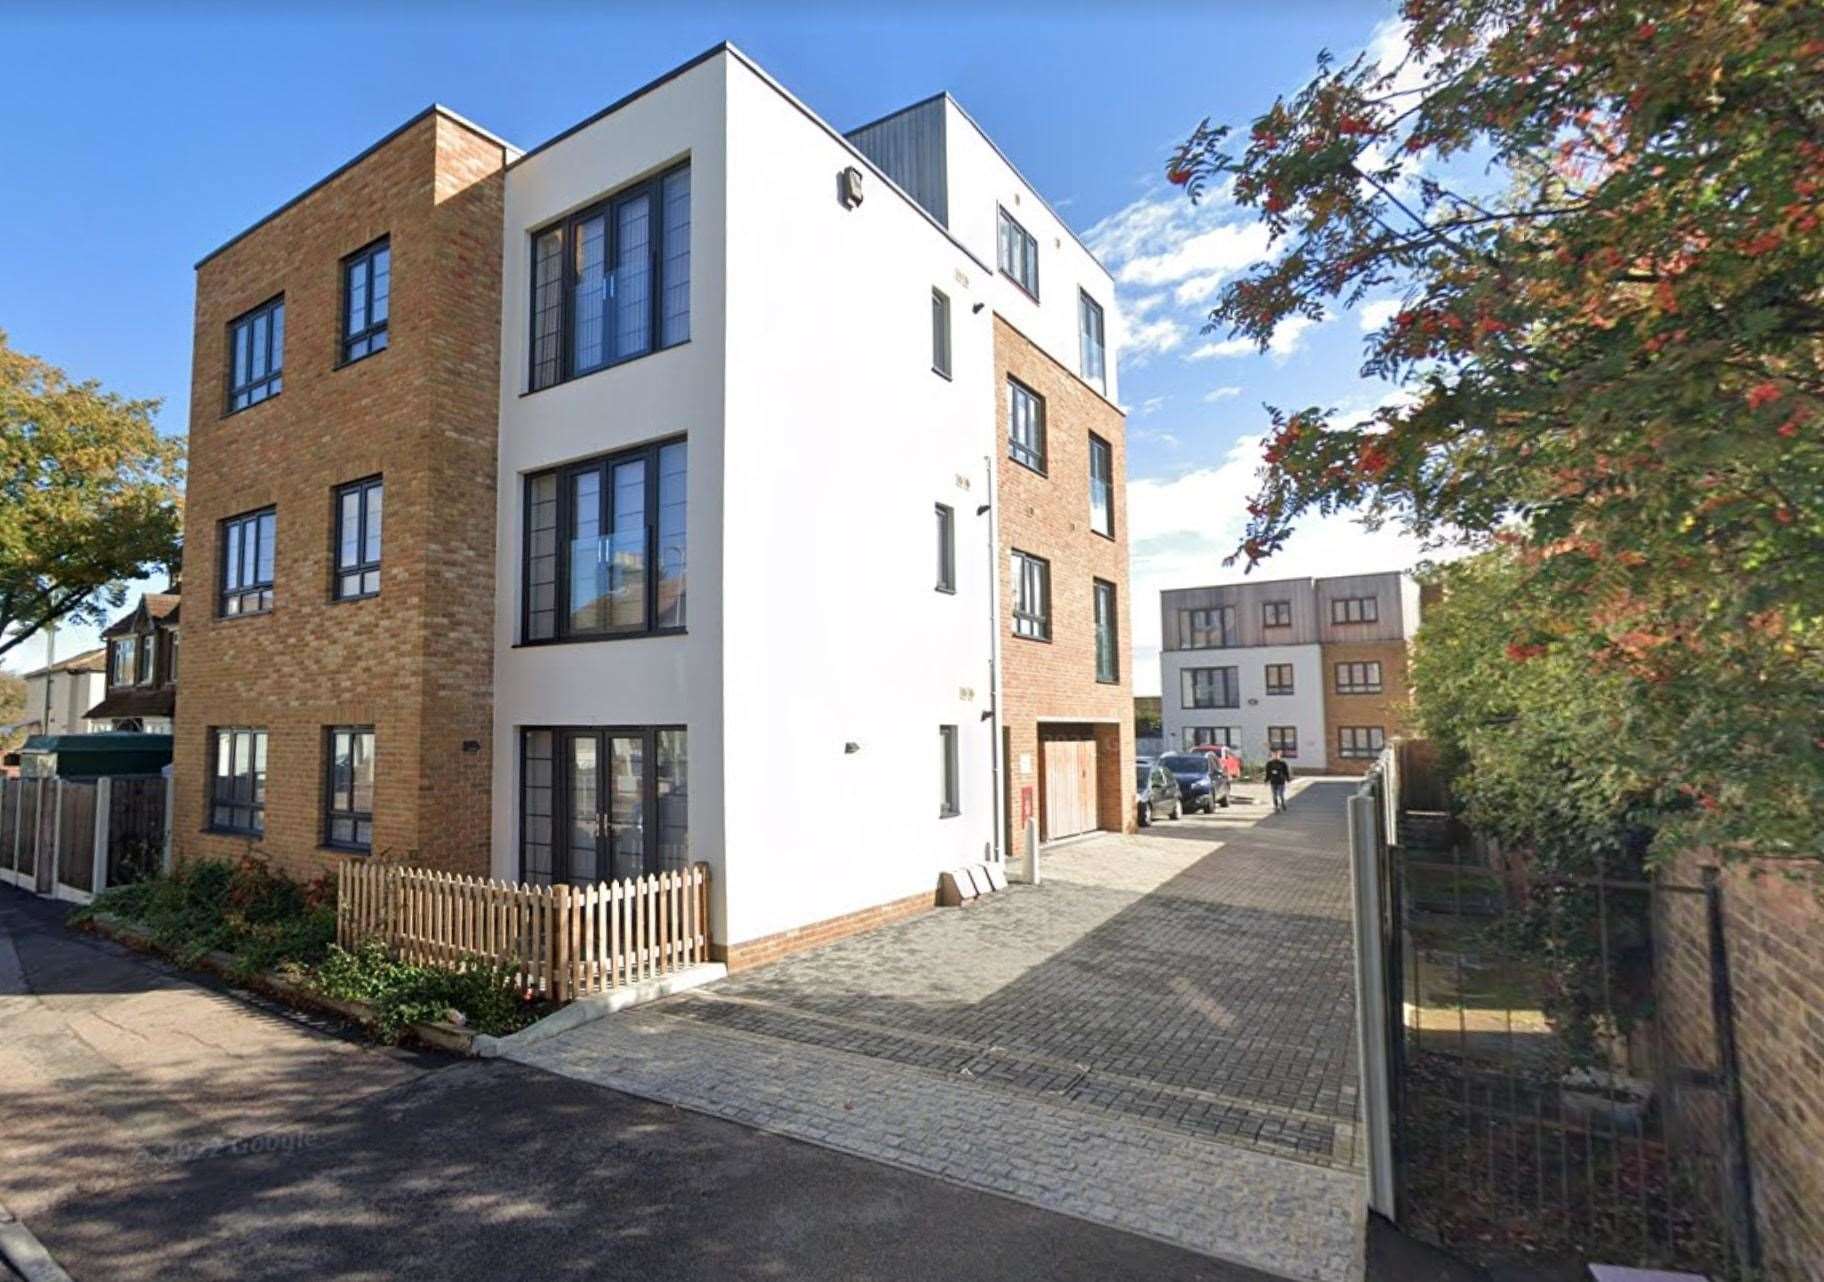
(12, 709)
(89, 497)
(1613, 364)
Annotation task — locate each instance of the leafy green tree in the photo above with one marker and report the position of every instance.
(12, 708)
(89, 497)
(1613, 365)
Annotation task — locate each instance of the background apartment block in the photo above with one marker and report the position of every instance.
(1315, 668)
(339, 551)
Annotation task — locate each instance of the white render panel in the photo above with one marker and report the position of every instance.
(1303, 708)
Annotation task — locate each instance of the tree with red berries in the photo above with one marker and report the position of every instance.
(1613, 361)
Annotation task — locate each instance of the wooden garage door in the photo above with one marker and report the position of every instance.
(1070, 787)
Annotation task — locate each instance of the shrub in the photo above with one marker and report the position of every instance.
(247, 909)
(402, 993)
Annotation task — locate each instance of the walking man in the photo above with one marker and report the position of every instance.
(1278, 775)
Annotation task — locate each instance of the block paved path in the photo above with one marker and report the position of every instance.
(1160, 1038)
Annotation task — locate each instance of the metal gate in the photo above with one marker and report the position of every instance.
(1529, 1092)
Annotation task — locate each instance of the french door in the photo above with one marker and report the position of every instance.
(617, 800)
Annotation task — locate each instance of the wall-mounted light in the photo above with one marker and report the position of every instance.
(848, 187)
(851, 747)
(976, 309)
(471, 745)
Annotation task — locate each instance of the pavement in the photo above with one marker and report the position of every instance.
(1158, 1039)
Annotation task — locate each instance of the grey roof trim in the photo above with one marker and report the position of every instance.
(435, 109)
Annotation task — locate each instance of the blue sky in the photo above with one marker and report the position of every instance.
(141, 137)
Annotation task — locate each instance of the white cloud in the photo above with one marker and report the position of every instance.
(1220, 394)
(1150, 405)
(1377, 313)
(1288, 338)
(1141, 338)
(1209, 256)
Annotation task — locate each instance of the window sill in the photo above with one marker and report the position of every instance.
(591, 640)
(230, 413)
(335, 599)
(1020, 285)
(602, 369)
(368, 356)
(246, 833)
(1020, 636)
(1108, 681)
(1037, 471)
(943, 374)
(244, 614)
(331, 848)
(949, 814)
(945, 591)
(1099, 534)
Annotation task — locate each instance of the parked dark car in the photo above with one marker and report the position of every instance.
(1156, 793)
(1202, 782)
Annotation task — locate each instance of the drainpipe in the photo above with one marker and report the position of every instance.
(988, 509)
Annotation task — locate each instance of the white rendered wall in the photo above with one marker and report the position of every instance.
(1303, 708)
(840, 442)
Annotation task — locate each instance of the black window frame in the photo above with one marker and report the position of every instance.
(365, 256)
(950, 797)
(272, 382)
(1275, 614)
(1356, 742)
(255, 802)
(1218, 737)
(1222, 626)
(605, 464)
(1283, 685)
(1367, 609)
(262, 589)
(946, 548)
(1027, 456)
(1038, 624)
(1102, 591)
(652, 187)
(1030, 242)
(1231, 686)
(1086, 308)
(1287, 740)
(562, 863)
(1106, 482)
(331, 812)
(941, 351)
(1345, 675)
(362, 567)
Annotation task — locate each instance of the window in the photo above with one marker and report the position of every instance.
(148, 653)
(1031, 597)
(247, 543)
(348, 788)
(1355, 609)
(1025, 426)
(1019, 254)
(358, 520)
(601, 804)
(1212, 629)
(122, 661)
(940, 332)
(237, 788)
(1358, 678)
(594, 303)
(1092, 342)
(1279, 678)
(1101, 486)
(950, 785)
(1108, 658)
(256, 355)
(1360, 741)
(1276, 614)
(367, 279)
(946, 549)
(605, 546)
(1209, 688)
(1212, 737)
(1283, 740)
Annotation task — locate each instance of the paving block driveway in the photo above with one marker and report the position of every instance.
(1159, 1038)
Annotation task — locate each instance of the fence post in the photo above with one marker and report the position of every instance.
(1370, 1000)
(560, 970)
(104, 803)
(1743, 1231)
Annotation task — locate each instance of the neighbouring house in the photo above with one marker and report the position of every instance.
(141, 668)
(58, 696)
(786, 464)
(1313, 668)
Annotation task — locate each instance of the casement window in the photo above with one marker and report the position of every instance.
(247, 548)
(1209, 688)
(1031, 597)
(348, 788)
(1092, 342)
(144, 669)
(1019, 255)
(122, 660)
(1212, 629)
(1360, 741)
(359, 509)
(605, 546)
(1101, 486)
(256, 355)
(1276, 614)
(1212, 737)
(367, 280)
(612, 282)
(237, 784)
(946, 549)
(1108, 650)
(1279, 678)
(940, 332)
(950, 787)
(603, 803)
(1358, 678)
(1355, 609)
(1025, 426)
(1283, 740)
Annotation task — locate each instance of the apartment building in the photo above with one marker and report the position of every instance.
(791, 538)
(1312, 668)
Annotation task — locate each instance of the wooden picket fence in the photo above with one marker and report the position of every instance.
(561, 941)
